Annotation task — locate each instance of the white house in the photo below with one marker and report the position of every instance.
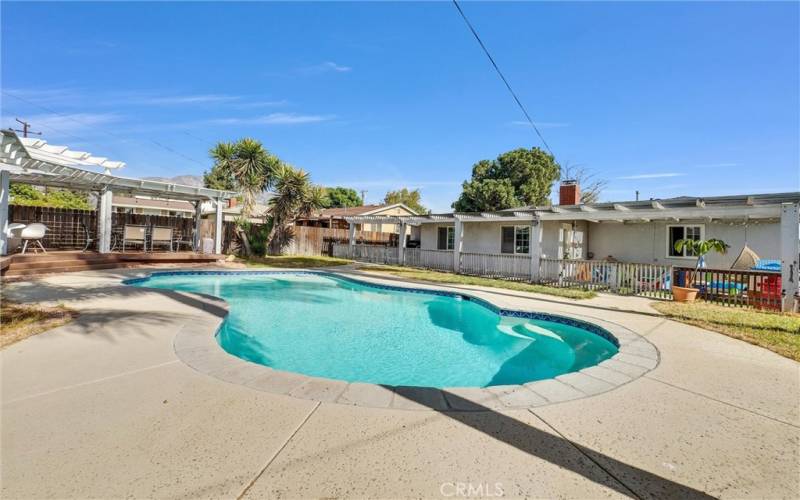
(519, 242)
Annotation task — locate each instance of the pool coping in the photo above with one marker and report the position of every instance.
(195, 345)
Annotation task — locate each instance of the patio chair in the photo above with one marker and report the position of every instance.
(185, 239)
(14, 236)
(161, 236)
(134, 235)
(33, 232)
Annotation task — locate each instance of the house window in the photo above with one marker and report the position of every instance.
(677, 233)
(515, 239)
(447, 238)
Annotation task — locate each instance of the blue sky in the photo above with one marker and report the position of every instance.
(667, 98)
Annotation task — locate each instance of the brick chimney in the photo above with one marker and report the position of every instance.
(232, 202)
(569, 193)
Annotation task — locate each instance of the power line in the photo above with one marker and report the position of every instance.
(70, 118)
(26, 128)
(502, 77)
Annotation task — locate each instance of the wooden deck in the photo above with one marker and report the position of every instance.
(30, 264)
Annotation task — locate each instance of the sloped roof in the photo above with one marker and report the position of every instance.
(752, 206)
(339, 213)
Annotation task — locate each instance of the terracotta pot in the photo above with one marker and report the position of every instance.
(683, 294)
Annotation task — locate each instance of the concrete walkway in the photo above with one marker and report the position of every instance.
(102, 407)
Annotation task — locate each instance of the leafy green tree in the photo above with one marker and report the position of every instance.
(252, 170)
(341, 197)
(515, 178)
(411, 199)
(25, 194)
(219, 178)
(295, 197)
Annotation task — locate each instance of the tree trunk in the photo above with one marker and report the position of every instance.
(273, 247)
(245, 241)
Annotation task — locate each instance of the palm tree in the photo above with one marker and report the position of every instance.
(253, 170)
(295, 197)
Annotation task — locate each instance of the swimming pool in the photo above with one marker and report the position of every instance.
(324, 325)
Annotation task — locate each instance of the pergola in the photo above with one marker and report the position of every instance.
(33, 161)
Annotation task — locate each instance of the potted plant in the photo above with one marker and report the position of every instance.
(699, 249)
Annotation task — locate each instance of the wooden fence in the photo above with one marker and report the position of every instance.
(759, 289)
(67, 229)
(321, 240)
(438, 260)
(490, 265)
(70, 229)
(652, 280)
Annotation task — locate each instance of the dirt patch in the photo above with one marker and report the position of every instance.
(20, 321)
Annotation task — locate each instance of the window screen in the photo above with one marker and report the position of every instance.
(522, 239)
(446, 238)
(507, 240)
(441, 243)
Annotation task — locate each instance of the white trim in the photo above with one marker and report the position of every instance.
(516, 226)
(389, 207)
(447, 245)
(689, 224)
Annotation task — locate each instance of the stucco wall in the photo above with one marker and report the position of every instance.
(644, 243)
(479, 237)
(429, 235)
(647, 242)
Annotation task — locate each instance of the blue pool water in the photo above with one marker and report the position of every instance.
(326, 326)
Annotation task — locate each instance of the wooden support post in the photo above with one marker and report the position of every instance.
(5, 177)
(535, 249)
(790, 253)
(198, 220)
(351, 239)
(104, 221)
(458, 237)
(218, 227)
(401, 242)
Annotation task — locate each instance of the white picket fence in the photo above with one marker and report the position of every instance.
(491, 265)
(374, 254)
(627, 279)
(623, 278)
(439, 260)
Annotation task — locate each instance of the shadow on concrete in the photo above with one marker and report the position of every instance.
(44, 291)
(626, 479)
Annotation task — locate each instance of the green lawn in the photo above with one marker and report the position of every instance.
(294, 261)
(459, 279)
(777, 332)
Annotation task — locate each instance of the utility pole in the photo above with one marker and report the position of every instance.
(637, 195)
(363, 196)
(25, 127)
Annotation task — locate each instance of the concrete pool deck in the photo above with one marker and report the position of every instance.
(103, 407)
